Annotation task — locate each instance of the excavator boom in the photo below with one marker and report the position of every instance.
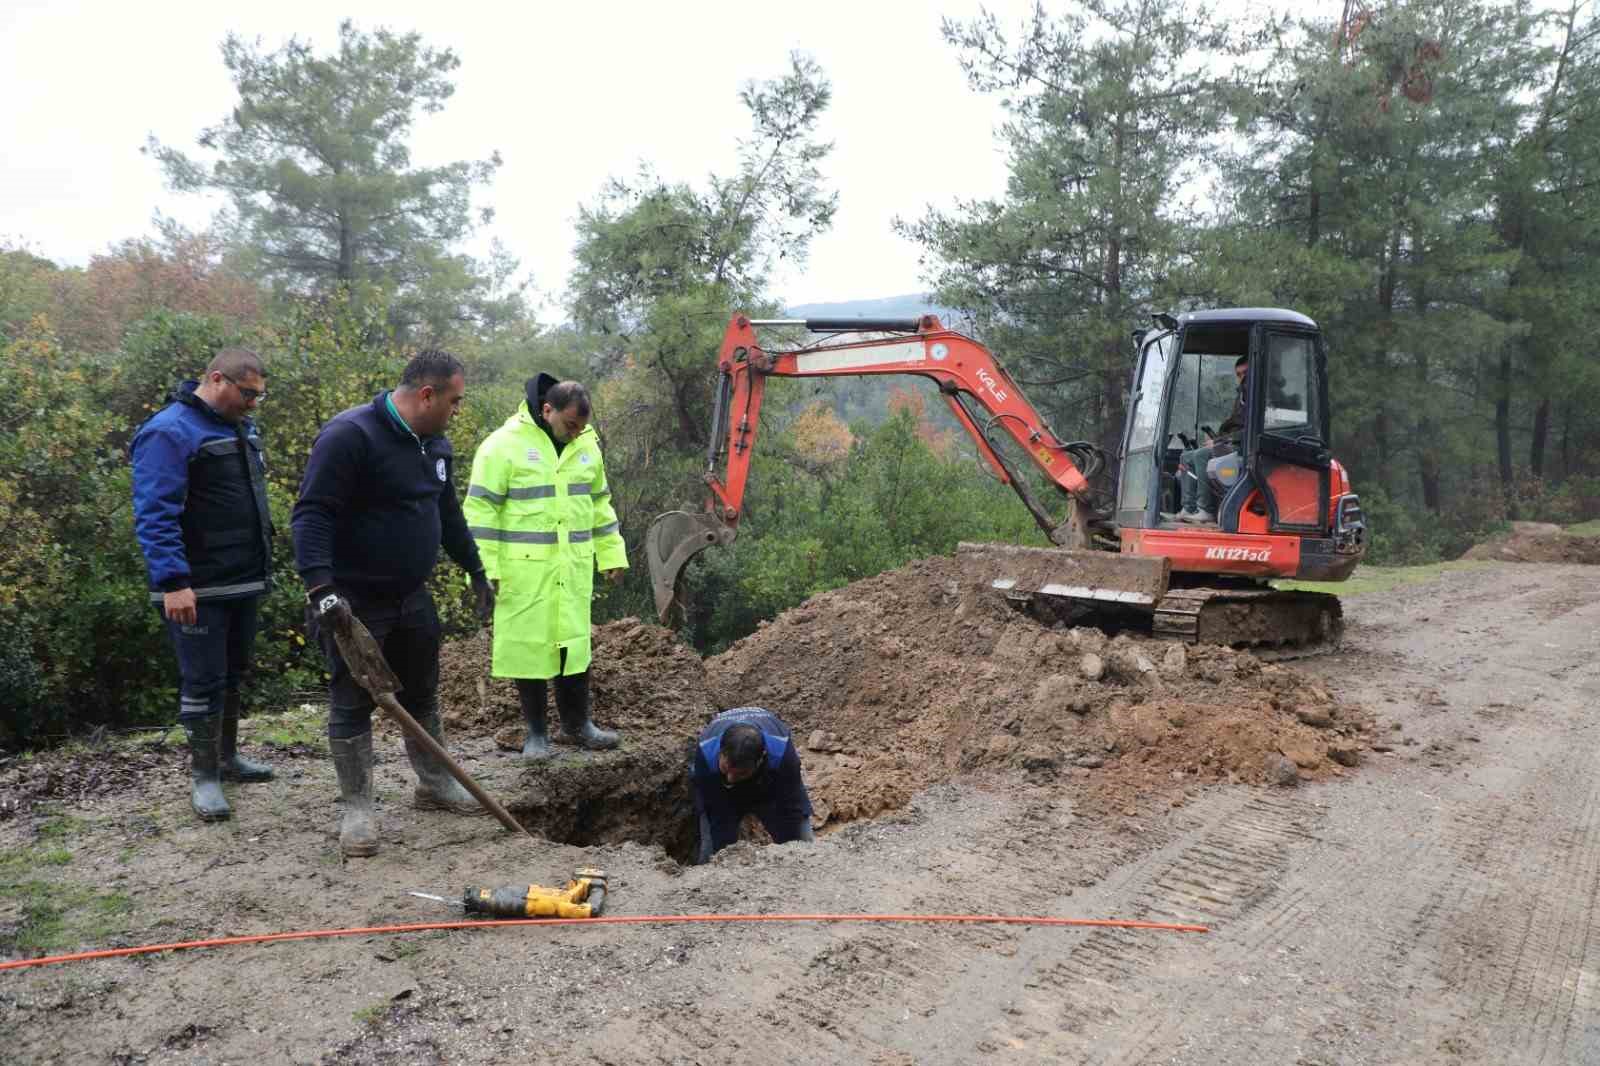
(980, 394)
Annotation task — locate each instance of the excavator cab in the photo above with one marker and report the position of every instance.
(1185, 386)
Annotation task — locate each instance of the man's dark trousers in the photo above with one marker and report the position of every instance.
(213, 653)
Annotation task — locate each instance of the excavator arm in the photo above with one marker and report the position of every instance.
(977, 389)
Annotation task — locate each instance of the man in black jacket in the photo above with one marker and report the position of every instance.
(376, 503)
(201, 518)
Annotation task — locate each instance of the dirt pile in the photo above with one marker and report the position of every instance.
(1538, 542)
(644, 682)
(910, 677)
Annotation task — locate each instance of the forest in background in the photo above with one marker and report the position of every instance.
(1423, 179)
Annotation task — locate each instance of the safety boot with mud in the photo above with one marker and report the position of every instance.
(205, 777)
(236, 767)
(358, 826)
(572, 703)
(436, 789)
(532, 695)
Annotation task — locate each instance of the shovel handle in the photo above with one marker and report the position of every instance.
(403, 719)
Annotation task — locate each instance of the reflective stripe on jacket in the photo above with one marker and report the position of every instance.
(544, 524)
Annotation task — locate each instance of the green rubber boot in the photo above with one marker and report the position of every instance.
(358, 826)
(436, 789)
(205, 777)
(236, 767)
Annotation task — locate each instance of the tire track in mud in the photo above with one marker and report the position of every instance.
(1523, 943)
(1232, 869)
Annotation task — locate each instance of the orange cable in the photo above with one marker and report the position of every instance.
(627, 919)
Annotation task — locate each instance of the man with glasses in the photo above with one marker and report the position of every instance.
(200, 514)
(746, 763)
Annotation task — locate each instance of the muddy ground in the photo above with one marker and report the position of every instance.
(1420, 887)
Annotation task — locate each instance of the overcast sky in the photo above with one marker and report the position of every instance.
(569, 94)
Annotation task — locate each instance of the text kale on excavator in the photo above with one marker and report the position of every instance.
(1285, 509)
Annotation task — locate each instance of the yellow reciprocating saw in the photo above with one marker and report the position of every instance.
(583, 897)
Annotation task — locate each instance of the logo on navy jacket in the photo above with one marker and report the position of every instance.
(439, 466)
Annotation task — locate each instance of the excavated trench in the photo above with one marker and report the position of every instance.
(637, 794)
(647, 685)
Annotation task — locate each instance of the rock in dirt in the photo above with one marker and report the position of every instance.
(1316, 719)
(1281, 770)
(1038, 757)
(1092, 667)
(1305, 758)
(1175, 661)
(1345, 754)
(1000, 746)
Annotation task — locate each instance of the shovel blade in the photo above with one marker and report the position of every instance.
(362, 654)
(671, 541)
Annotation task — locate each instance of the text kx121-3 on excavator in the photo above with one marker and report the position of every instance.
(1285, 507)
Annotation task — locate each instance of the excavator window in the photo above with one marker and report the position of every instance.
(1291, 393)
(1139, 469)
(1202, 396)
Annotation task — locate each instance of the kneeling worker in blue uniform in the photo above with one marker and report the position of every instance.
(746, 763)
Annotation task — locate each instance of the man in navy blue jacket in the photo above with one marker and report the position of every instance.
(201, 518)
(376, 503)
(746, 763)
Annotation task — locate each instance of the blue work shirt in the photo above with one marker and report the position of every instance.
(777, 795)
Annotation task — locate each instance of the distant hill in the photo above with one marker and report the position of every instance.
(908, 306)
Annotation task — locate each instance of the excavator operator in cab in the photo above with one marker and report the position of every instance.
(1199, 502)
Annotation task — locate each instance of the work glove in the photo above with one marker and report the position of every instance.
(328, 608)
(482, 596)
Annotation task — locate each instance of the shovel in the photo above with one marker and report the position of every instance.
(371, 671)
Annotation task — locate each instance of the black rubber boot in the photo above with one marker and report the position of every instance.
(572, 702)
(358, 826)
(205, 778)
(436, 789)
(533, 696)
(236, 767)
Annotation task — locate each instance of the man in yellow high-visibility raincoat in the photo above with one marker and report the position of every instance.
(540, 509)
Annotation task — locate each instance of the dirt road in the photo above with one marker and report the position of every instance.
(1434, 906)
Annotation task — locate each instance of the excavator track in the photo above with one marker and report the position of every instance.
(1272, 624)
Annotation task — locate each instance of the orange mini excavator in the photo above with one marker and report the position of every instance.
(1285, 509)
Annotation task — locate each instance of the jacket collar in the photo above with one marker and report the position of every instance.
(184, 393)
(380, 408)
(528, 418)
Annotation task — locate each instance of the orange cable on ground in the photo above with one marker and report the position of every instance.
(622, 919)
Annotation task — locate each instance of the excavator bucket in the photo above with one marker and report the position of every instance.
(1074, 574)
(671, 541)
